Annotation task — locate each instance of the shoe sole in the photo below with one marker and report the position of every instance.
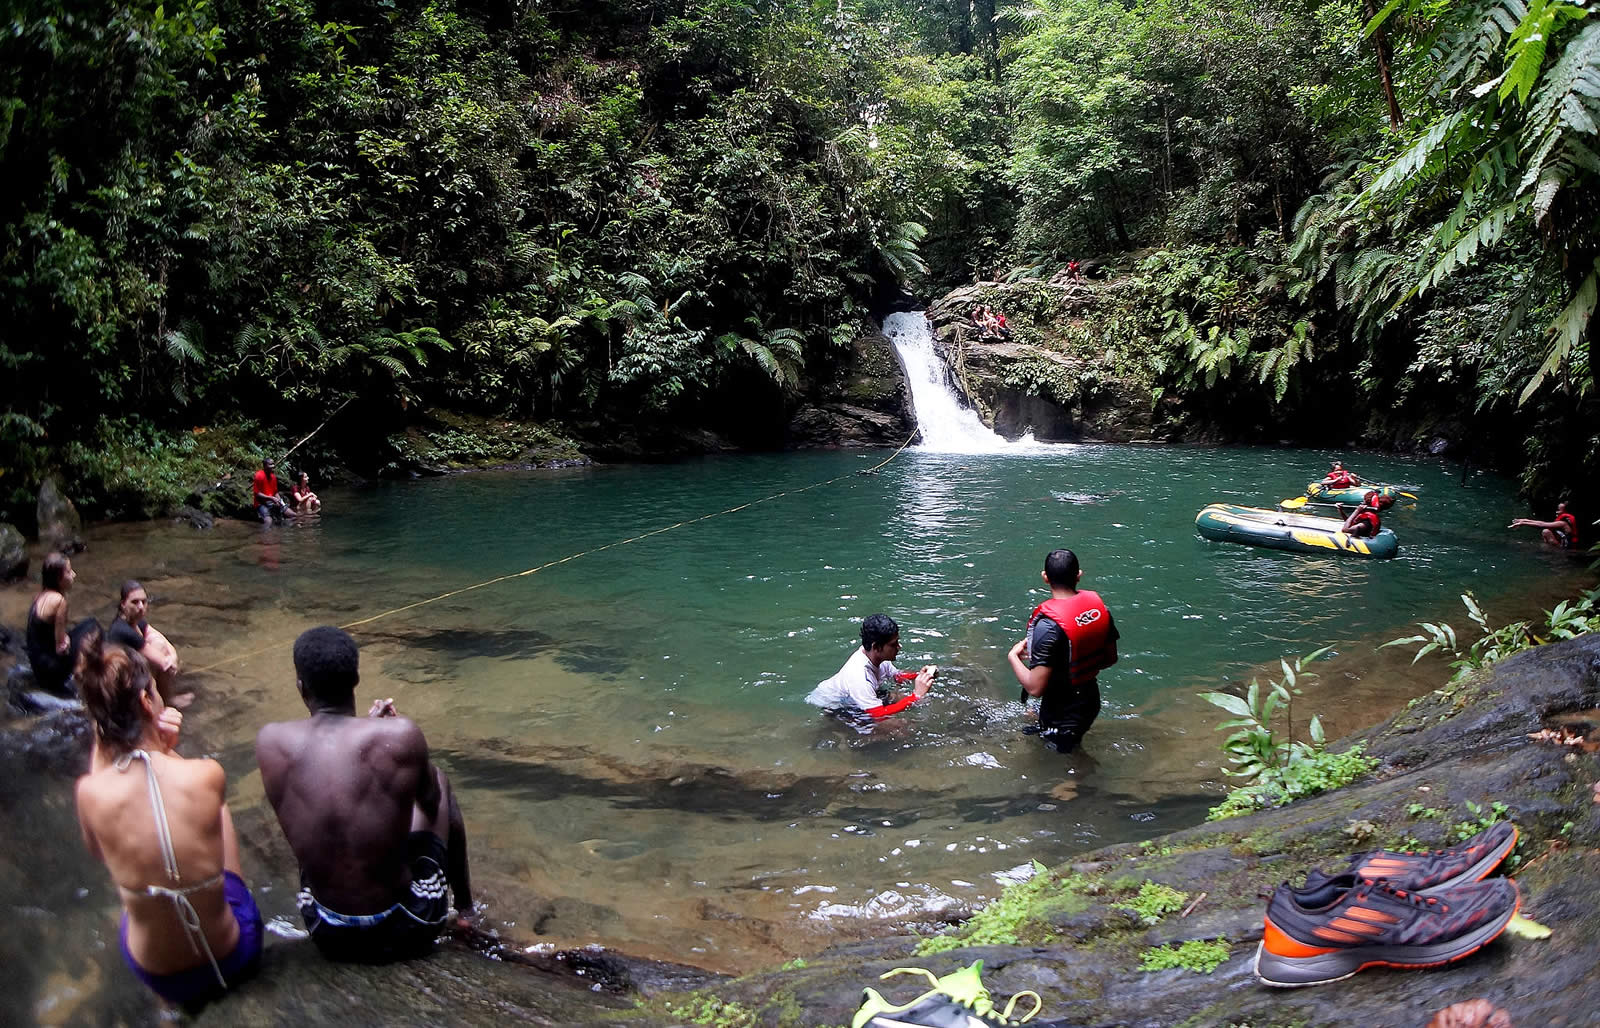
(1481, 870)
(1296, 972)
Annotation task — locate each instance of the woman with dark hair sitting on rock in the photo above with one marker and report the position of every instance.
(52, 646)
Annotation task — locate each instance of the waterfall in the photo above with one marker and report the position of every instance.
(948, 424)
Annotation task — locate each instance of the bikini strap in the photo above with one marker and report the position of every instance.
(188, 916)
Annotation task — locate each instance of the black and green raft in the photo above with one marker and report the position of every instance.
(1356, 493)
(1298, 533)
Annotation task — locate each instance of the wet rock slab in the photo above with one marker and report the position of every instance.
(453, 986)
(1467, 743)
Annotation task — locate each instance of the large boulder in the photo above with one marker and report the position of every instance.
(867, 402)
(13, 554)
(60, 527)
(1041, 379)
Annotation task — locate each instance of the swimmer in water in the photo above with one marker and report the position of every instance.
(160, 823)
(864, 684)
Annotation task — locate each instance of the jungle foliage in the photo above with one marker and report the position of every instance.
(658, 212)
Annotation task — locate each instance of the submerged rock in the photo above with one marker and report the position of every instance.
(60, 527)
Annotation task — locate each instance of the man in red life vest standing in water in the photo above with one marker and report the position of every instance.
(1071, 639)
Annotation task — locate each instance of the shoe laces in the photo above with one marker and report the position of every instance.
(972, 993)
(1417, 900)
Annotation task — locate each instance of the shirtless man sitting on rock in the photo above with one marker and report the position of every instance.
(372, 823)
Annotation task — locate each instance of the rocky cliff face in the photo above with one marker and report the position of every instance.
(867, 403)
(1037, 380)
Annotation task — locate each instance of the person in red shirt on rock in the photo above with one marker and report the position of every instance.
(264, 488)
(1562, 532)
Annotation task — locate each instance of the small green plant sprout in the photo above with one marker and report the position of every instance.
(1155, 902)
(1196, 955)
(1255, 749)
(1484, 818)
(1422, 812)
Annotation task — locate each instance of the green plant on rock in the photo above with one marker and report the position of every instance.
(1255, 749)
(1570, 619)
(1482, 818)
(1195, 955)
(1316, 773)
(1155, 901)
(712, 1012)
(1281, 768)
(998, 923)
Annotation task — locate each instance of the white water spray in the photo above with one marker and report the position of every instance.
(948, 426)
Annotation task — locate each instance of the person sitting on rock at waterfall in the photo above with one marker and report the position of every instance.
(1561, 532)
(1364, 520)
(1340, 478)
(264, 487)
(1072, 270)
(1001, 329)
(863, 684)
(52, 646)
(305, 501)
(131, 629)
(1070, 639)
(372, 822)
(190, 929)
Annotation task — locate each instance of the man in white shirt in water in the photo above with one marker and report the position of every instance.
(864, 683)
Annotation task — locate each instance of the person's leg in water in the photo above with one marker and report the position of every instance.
(1066, 734)
(447, 825)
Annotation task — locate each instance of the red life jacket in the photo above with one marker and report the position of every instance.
(1572, 527)
(1341, 480)
(1087, 625)
(1367, 517)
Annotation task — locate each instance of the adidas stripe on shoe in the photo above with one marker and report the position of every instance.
(1322, 934)
(1471, 861)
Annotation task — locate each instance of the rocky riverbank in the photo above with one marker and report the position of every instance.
(1454, 760)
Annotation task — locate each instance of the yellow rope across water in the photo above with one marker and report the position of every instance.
(574, 556)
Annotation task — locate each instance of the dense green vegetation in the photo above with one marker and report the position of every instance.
(1367, 220)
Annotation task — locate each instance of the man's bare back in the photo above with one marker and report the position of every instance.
(373, 825)
(345, 790)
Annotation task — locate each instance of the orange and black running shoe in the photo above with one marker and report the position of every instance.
(1323, 934)
(1471, 861)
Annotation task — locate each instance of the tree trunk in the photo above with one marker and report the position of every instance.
(1166, 120)
(1380, 43)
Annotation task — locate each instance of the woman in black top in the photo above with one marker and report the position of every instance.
(52, 646)
(132, 630)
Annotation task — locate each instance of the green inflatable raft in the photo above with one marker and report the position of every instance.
(1299, 533)
(1355, 494)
